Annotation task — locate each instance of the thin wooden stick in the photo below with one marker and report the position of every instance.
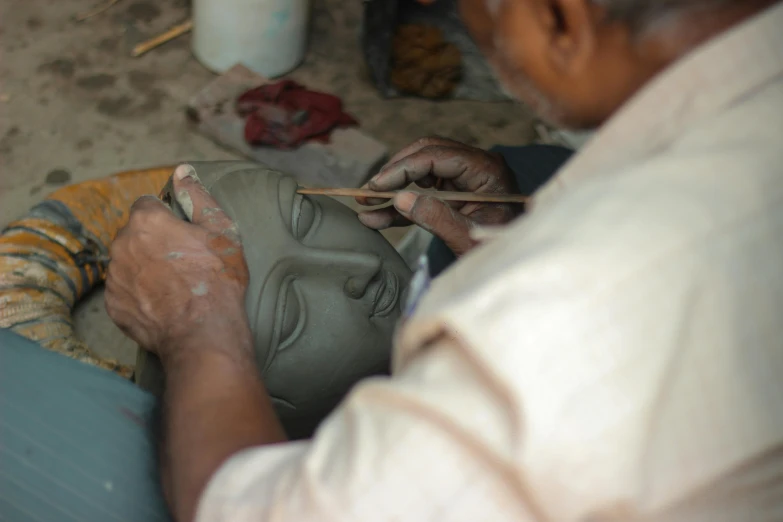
(440, 194)
(177, 30)
(95, 11)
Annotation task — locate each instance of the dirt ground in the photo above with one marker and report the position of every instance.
(75, 106)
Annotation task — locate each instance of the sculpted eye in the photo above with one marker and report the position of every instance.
(290, 314)
(303, 216)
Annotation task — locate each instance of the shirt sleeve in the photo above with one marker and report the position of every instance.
(431, 444)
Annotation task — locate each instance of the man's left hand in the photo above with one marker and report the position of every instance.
(169, 280)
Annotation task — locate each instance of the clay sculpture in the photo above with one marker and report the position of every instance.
(324, 295)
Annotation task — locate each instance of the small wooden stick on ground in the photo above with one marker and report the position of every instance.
(177, 30)
(81, 17)
(440, 194)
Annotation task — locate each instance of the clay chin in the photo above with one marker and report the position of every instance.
(324, 294)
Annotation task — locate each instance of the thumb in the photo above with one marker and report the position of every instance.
(199, 205)
(438, 218)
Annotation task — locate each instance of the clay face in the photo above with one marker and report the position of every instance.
(324, 292)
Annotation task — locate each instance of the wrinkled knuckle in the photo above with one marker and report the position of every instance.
(441, 154)
(144, 202)
(433, 150)
(139, 216)
(150, 218)
(142, 221)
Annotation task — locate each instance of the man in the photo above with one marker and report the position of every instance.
(615, 354)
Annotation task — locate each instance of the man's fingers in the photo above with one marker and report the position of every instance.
(146, 211)
(148, 203)
(437, 217)
(431, 142)
(371, 202)
(399, 175)
(428, 181)
(199, 205)
(368, 201)
(421, 143)
(426, 162)
(383, 218)
(434, 161)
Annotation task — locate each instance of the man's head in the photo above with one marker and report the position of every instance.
(577, 61)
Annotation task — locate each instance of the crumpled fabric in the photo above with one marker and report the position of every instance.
(285, 115)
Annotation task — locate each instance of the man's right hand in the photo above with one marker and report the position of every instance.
(450, 165)
(170, 281)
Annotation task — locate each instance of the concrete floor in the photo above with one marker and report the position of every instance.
(75, 106)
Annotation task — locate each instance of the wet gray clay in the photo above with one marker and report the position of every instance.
(324, 293)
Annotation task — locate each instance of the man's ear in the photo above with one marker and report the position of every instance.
(572, 27)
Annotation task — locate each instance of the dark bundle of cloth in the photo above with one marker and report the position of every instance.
(404, 61)
(424, 63)
(285, 115)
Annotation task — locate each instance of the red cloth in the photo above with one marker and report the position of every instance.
(285, 115)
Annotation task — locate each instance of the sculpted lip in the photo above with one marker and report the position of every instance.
(387, 294)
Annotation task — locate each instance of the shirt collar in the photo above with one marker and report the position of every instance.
(704, 82)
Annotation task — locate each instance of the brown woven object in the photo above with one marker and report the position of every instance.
(423, 63)
(56, 254)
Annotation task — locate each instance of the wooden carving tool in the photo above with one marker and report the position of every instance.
(148, 45)
(444, 195)
(440, 194)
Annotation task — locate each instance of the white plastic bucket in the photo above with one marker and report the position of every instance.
(267, 36)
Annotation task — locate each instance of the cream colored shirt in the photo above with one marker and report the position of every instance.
(615, 355)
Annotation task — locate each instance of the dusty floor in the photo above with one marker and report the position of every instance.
(75, 106)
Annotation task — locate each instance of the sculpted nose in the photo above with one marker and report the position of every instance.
(360, 269)
(364, 274)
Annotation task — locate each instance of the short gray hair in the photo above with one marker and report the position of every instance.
(641, 14)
